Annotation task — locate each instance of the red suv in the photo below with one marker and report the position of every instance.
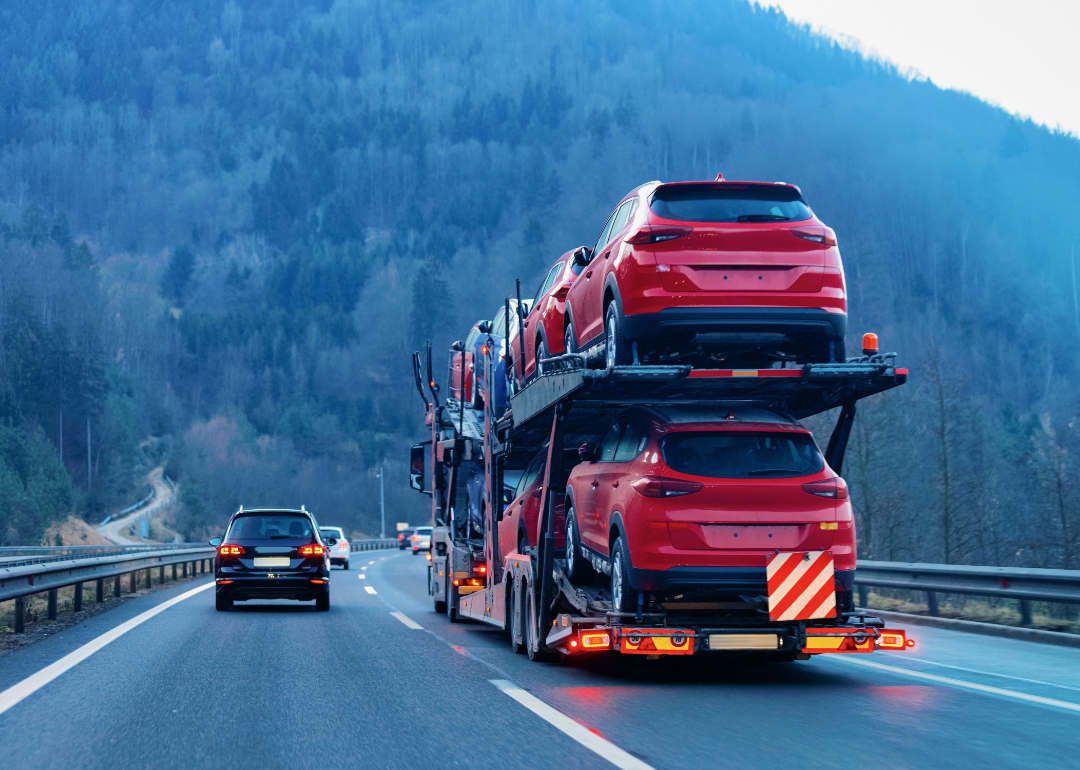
(520, 522)
(679, 501)
(544, 325)
(715, 274)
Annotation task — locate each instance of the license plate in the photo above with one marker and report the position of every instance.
(271, 561)
(744, 642)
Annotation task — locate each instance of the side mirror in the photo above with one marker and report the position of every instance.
(585, 453)
(582, 256)
(416, 467)
(215, 542)
(331, 541)
(508, 495)
(458, 346)
(538, 492)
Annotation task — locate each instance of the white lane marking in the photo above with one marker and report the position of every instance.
(370, 562)
(407, 620)
(369, 589)
(364, 567)
(993, 673)
(35, 682)
(565, 724)
(968, 685)
(362, 577)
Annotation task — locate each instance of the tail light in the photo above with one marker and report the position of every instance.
(816, 233)
(231, 550)
(400, 536)
(481, 569)
(343, 543)
(562, 291)
(483, 350)
(894, 640)
(416, 538)
(429, 555)
(595, 640)
(647, 234)
(311, 550)
(656, 486)
(835, 488)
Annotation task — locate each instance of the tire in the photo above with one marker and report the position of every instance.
(622, 594)
(535, 655)
(578, 570)
(513, 613)
(541, 353)
(569, 340)
(222, 604)
(322, 603)
(451, 603)
(616, 348)
(346, 565)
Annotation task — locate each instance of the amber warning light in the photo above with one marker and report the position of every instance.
(869, 344)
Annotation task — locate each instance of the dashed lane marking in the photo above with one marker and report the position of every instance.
(362, 577)
(35, 682)
(369, 589)
(967, 685)
(407, 621)
(370, 562)
(580, 733)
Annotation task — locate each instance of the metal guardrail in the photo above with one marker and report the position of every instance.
(19, 581)
(14, 556)
(1024, 584)
(374, 544)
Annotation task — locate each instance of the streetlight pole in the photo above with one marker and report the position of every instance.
(382, 502)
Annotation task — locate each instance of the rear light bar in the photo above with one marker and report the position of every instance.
(595, 640)
(231, 550)
(657, 486)
(311, 550)
(468, 582)
(892, 639)
(816, 233)
(648, 234)
(834, 488)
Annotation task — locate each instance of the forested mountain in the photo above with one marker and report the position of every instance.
(230, 223)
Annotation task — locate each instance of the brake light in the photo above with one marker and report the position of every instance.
(416, 538)
(656, 486)
(320, 582)
(429, 555)
(483, 350)
(595, 640)
(231, 550)
(894, 640)
(562, 291)
(834, 488)
(400, 536)
(816, 233)
(648, 234)
(343, 543)
(481, 569)
(311, 550)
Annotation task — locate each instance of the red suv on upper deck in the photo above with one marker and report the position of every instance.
(687, 502)
(716, 274)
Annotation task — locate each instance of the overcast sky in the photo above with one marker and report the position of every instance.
(1022, 56)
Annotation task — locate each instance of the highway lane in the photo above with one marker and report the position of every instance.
(283, 686)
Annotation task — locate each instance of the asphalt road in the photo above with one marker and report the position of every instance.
(281, 686)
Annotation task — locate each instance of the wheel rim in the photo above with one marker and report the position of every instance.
(571, 546)
(568, 340)
(610, 352)
(616, 582)
(541, 353)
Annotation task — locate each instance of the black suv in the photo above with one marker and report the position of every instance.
(273, 554)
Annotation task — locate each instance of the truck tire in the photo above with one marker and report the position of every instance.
(616, 348)
(513, 613)
(531, 632)
(622, 594)
(578, 570)
(440, 606)
(451, 604)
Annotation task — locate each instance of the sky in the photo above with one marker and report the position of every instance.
(1022, 56)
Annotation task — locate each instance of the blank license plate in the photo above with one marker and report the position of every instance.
(271, 561)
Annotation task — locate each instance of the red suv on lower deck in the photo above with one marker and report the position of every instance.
(680, 501)
(716, 274)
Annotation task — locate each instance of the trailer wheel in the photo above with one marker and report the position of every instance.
(617, 349)
(513, 611)
(621, 591)
(451, 604)
(531, 632)
(578, 570)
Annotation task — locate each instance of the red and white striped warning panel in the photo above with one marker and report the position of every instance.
(801, 585)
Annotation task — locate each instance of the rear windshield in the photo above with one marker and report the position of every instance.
(749, 203)
(423, 530)
(332, 533)
(270, 527)
(737, 455)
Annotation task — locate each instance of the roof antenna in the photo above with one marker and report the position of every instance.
(720, 177)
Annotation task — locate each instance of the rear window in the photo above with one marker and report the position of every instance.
(337, 533)
(270, 527)
(749, 203)
(737, 455)
(423, 530)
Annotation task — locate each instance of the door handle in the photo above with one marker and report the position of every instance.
(588, 274)
(595, 484)
(615, 484)
(526, 324)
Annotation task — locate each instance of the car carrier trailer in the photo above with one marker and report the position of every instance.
(528, 593)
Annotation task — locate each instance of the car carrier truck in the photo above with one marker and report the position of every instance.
(526, 590)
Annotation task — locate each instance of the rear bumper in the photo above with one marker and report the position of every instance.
(339, 559)
(694, 320)
(751, 581)
(295, 588)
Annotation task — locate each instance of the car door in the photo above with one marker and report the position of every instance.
(508, 527)
(582, 294)
(596, 485)
(632, 441)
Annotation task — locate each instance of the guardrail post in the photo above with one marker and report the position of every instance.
(100, 590)
(20, 614)
(149, 577)
(931, 603)
(134, 582)
(116, 587)
(174, 572)
(161, 574)
(1025, 612)
(52, 604)
(863, 594)
(78, 597)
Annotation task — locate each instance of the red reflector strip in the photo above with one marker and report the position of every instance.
(745, 373)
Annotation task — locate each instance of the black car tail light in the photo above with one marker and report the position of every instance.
(231, 550)
(311, 550)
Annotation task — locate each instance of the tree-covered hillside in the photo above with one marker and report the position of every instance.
(275, 202)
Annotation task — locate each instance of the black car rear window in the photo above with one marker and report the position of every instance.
(738, 455)
(270, 526)
(730, 203)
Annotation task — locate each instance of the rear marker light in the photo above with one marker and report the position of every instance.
(481, 569)
(655, 486)
(224, 582)
(649, 234)
(311, 550)
(595, 640)
(429, 555)
(320, 582)
(231, 550)
(894, 640)
(834, 488)
(829, 525)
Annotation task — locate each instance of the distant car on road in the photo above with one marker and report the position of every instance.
(421, 540)
(339, 554)
(404, 538)
(273, 554)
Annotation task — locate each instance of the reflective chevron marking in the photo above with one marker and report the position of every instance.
(801, 585)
